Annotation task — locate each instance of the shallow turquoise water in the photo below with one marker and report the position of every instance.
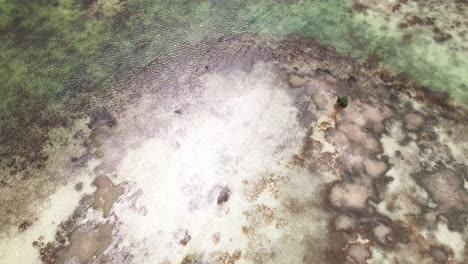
(61, 47)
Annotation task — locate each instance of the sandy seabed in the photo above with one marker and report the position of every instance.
(234, 151)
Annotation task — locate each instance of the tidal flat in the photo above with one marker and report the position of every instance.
(209, 131)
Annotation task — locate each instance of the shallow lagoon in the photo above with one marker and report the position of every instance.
(208, 132)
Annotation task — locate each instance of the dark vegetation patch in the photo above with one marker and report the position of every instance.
(185, 239)
(85, 4)
(102, 118)
(25, 225)
(342, 101)
(440, 36)
(439, 254)
(79, 187)
(224, 195)
(192, 259)
(359, 7)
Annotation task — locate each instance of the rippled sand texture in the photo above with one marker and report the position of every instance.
(240, 155)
